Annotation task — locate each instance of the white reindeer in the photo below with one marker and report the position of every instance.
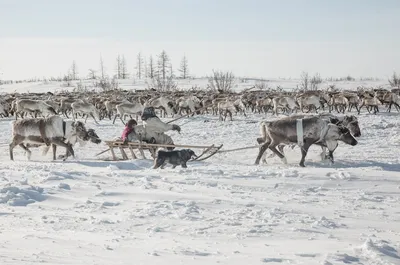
(65, 106)
(225, 108)
(309, 101)
(33, 106)
(370, 103)
(190, 103)
(85, 108)
(128, 109)
(163, 103)
(284, 102)
(111, 106)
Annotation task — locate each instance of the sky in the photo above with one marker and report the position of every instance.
(254, 38)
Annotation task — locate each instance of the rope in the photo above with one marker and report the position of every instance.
(238, 149)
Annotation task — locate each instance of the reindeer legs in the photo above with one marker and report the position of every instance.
(42, 129)
(91, 114)
(57, 141)
(304, 151)
(28, 152)
(261, 151)
(332, 145)
(272, 147)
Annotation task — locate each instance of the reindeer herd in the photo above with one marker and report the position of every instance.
(114, 104)
(122, 103)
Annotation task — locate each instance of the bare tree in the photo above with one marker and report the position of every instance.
(67, 80)
(102, 69)
(171, 71)
(74, 71)
(394, 81)
(184, 69)
(163, 64)
(151, 69)
(119, 60)
(139, 65)
(146, 72)
(262, 85)
(92, 74)
(315, 81)
(304, 81)
(221, 81)
(163, 85)
(124, 68)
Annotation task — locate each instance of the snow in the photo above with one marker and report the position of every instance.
(184, 84)
(224, 210)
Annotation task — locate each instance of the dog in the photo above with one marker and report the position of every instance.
(175, 158)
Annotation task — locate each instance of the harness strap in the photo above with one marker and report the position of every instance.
(324, 131)
(64, 128)
(299, 131)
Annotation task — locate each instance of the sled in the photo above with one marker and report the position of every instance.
(208, 151)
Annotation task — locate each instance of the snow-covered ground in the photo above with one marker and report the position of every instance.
(224, 210)
(240, 84)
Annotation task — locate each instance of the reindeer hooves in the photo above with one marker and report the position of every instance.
(327, 158)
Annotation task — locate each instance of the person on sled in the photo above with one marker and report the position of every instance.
(152, 123)
(152, 130)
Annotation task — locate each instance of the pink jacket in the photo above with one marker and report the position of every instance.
(126, 132)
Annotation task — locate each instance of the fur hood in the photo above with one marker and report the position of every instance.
(148, 112)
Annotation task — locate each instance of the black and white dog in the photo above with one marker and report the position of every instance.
(175, 158)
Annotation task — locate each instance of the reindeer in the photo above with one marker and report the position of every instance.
(339, 101)
(4, 108)
(190, 103)
(84, 108)
(315, 130)
(348, 121)
(32, 106)
(370, 102)
(55, 105)
(353, 101)
(284, 102)
(225, 108)
(111, 106)
(264, 104)
(309, 101)
(65, 106)
(239, 106)
(128, 109)
(391, 99)
(163, 103)
(53, 130)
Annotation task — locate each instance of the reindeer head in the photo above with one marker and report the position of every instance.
(148, 112)
(80, 130)
(49, 111)
(94, 138)
(351, 123)
(346, 136)
(173, 107)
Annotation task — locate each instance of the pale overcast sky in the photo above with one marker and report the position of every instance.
(263, 38)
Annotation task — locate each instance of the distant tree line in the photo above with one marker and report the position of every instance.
(159, 68)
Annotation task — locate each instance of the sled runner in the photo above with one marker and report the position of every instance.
(208, 151)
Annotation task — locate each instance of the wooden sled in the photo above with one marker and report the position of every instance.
(208, 151)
